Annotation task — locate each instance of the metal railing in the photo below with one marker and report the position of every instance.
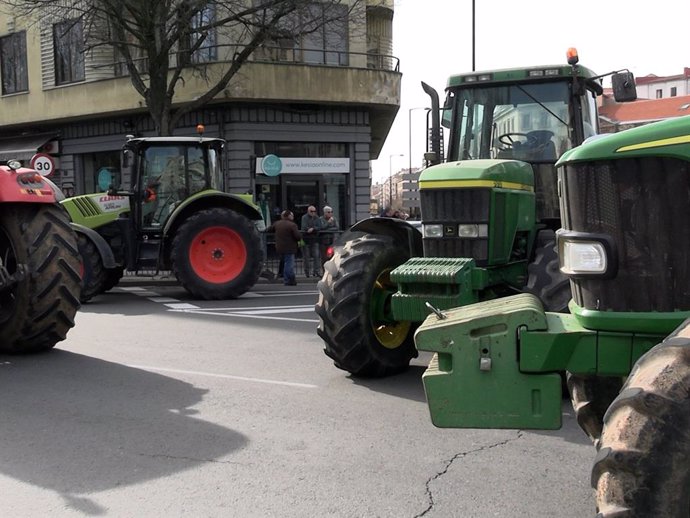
(272, 258)
(223, 54)
(272, 263)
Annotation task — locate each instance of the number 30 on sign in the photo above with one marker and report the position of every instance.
(43, 164)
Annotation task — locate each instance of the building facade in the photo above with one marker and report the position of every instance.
(321, 108)
(662, 87)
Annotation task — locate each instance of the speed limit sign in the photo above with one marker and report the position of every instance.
(43, 164)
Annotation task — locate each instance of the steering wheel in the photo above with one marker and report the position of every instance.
(508, 139)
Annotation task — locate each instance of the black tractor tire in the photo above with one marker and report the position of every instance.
(38, 310)
(591, 396)
(112, 278)
(642, 468)
(345, 309)
(216, 254)
(545, 279)
(93, 273)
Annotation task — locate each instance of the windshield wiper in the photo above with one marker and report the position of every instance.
(540, 104)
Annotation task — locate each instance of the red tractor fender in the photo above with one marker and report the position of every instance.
(24, 185)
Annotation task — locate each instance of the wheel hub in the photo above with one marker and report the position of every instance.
(389, 333)
(218, 254)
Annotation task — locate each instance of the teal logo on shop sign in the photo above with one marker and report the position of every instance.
(271, 165)
(105, 178)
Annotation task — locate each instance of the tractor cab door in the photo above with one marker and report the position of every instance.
(168, 175)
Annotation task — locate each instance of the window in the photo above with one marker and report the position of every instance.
(68, 42)
(674, 91)
(137, 55)
(659, 93)
(207, 50)
(325, 38)
(493, 122)
(13, 60)
(317, 34)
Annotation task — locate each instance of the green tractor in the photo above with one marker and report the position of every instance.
(174, 216)
(624, 245)
(489, 214)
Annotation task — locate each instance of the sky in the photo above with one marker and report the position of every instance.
(433, 40)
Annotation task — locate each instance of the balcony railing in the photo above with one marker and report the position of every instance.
(271, 54)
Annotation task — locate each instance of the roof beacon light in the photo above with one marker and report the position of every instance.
(573, 58)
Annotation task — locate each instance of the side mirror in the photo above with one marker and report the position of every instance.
(623, 84)
(431, 157)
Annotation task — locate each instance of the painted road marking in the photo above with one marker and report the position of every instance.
(224, 376)
(181, 305)
(266, 313)
(163, 300)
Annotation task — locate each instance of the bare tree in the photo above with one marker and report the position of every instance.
(160, 43)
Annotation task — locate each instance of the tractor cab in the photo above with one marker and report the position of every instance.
(533, 115)
(163, 172)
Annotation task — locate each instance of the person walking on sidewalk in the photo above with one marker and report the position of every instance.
(287, 236)
(310, 227)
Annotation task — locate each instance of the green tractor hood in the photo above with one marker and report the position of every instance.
(95, 210)
(510, 174)
(669, 138)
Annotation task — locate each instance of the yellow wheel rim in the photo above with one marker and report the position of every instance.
(390, 334)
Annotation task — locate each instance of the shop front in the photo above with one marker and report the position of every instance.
(295, 183)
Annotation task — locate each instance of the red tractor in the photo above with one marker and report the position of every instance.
(40, 268)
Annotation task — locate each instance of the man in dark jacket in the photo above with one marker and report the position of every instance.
(287, 236)
(311, 225)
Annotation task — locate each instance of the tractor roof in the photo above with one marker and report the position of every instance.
(175, 140)
(514, 75)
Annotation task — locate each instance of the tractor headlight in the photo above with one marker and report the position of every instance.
(584, 255)
(433, 230)
(472, 230)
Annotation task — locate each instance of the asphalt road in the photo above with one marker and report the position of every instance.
(158, 405)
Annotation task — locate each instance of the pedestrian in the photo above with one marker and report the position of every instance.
(287, 236)
(387, 212)
(329, 229)
(310, 227)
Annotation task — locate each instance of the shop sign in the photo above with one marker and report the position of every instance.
(271, 165)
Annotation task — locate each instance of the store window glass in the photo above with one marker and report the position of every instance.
(101, 170)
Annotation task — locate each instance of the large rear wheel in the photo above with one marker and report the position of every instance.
(356, 324)
(93, 273)
(642, 468)
(112, 278)
(216, 254)
(38, 250)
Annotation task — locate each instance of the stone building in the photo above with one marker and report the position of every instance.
(323, 105)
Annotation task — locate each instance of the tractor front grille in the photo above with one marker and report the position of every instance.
(451, 207)
(643, 204)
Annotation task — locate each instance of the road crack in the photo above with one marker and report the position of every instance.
(188, 459)
(449, 463)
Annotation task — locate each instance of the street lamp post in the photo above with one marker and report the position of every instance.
(390, 178)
